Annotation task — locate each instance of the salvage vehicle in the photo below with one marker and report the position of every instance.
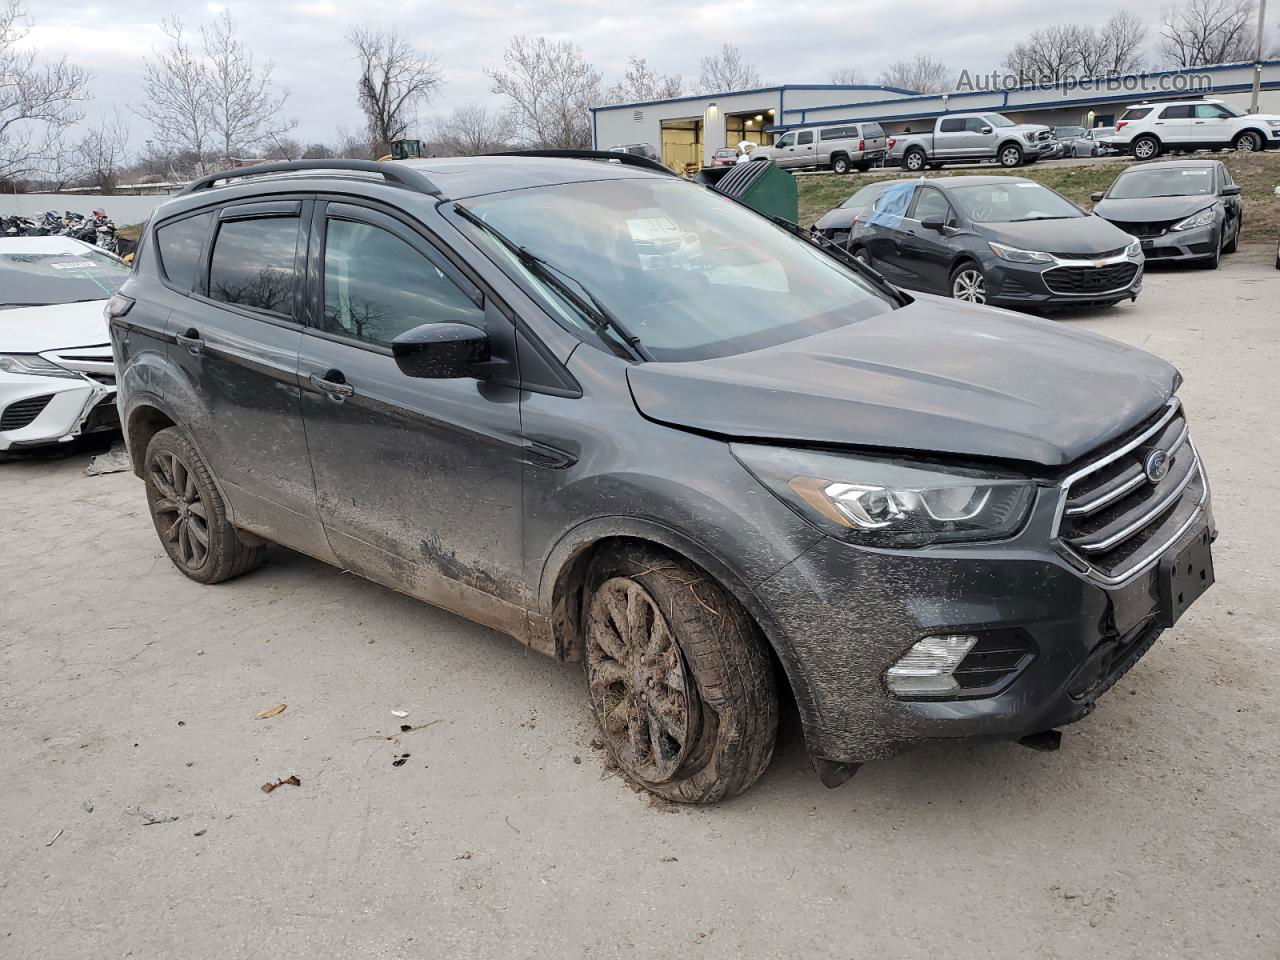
(57, 377)
(1149, 129)
(996, 239)
(704, 478)
(972, 138)
(839, 148)
(837, 224)
(1178, 209)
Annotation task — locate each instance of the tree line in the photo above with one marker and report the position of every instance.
(205, 100)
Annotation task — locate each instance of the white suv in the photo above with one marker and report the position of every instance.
(1148, 129)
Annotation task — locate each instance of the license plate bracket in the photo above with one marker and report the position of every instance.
(1186, 572)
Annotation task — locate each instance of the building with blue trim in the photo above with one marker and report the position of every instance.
(690, 129)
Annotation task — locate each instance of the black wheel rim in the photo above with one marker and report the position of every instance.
(638, 681)
(181, 515)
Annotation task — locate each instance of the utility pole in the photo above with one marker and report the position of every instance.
(1257, 57)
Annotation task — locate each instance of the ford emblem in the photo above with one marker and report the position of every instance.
(1157, 466)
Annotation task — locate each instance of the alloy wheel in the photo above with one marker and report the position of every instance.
(1247, 143)
(638, 681)
(1144, 150)
(181, 515)
(969, 284)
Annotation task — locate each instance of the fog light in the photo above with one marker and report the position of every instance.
(927, 668)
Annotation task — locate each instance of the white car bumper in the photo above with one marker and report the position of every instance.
(36, 410)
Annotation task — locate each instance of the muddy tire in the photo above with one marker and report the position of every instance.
(679, 676)
(189, 514)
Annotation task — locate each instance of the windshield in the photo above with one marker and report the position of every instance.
(996, 120)
(1012, 202)
(39, 279)
(688, 273)
(1170, 182)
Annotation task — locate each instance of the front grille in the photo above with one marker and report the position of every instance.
(1083, 281)
(20, 414)
(1145, 231)
(1115, 518)
(1104, 255)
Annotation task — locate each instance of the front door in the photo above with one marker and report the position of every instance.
(418, 481)
(1210, 125)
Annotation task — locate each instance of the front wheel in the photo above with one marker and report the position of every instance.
(679, 676)
(969, 284)
(190, 515)
(1234, 242)
(1249, 142)
(1010, 155)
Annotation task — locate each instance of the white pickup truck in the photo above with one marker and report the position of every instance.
(972, 137)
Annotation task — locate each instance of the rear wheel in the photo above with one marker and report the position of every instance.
(840, 164)
(190, 515)
(914, 159)
(1248, 142)
(1010, 155)
(968, 283)
(1145, 148)
(679, 677)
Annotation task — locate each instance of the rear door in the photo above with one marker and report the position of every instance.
(418, 481)
(926, 254)
(1174, 124)
(950, 138)
(884, 231)
(236, 340)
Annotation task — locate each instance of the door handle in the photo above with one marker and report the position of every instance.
(334, 384)
(191, 340)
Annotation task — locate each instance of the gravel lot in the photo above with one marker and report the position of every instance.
(128, 696)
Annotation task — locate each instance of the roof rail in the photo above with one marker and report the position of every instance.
(391, 172)
(627, 159)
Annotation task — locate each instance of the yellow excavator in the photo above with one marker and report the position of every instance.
(405, 150)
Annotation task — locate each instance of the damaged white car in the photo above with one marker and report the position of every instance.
(57, 377)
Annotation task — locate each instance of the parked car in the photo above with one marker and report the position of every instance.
(704, 478)
(1076, 142)
(1000, 240)
(1148, 129)
(1104, 137)
(645, 150)
(837, 224)
(724, 157)
(971, 138)
(840, 148)
(1179, 209)
(57, 378)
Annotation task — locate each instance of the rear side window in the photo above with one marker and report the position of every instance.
(377, 286)
(839, 133)
(951, 125)
(179, 243)
(253, 264)
(1177, 112)
(1136, 113)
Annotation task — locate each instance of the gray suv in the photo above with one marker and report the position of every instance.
(630, 422)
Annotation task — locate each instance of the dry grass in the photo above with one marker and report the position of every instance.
(1257, 173)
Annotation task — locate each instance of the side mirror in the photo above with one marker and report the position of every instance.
(934, 222)
(440, 351)
(1231, 190)
(1097, 195)
(986, 129)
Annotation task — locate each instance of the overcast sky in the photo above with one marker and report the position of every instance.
(789, 42)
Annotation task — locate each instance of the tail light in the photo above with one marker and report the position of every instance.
(1122, 124)
(862, 145)
(117, 306)
(892, 141)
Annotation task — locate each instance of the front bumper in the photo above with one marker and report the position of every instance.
(1200, 243)
(48, 410)
(849, 613)
(1020, 285)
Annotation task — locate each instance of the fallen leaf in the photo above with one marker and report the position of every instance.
(400, 761)
(293, 781)
(271, 711)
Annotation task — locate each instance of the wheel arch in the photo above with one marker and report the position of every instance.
(145, 418)
(1258, 132)
(563, 581)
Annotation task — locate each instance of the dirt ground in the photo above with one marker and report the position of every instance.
(132, 822)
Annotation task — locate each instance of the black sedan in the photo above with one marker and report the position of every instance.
(1002, 240)
(1179, 209)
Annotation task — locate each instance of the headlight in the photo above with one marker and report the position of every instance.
(33, 366)
(1030, 137)
(1019, 256)
(891, 503)
(1134, 249)
(1201, 219)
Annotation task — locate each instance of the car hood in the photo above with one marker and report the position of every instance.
(1076, 236)
(841, 218)
(34, 329)
(935, 376)
(1152, 208)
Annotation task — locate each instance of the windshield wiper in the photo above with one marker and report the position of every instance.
(838, 252)
(602, 318)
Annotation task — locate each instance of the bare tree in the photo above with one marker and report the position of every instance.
(848, 75)
(472, 130)
(395, 79)
(1049, 55)
(921, 73)
(640, 83)
(550, 88)
(351, 146)
(317, 151)
(1125, 39)
(1204, 32)
(175, 87)
(727, 71)
(103, 152)
(245, 110)
(37, 99)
